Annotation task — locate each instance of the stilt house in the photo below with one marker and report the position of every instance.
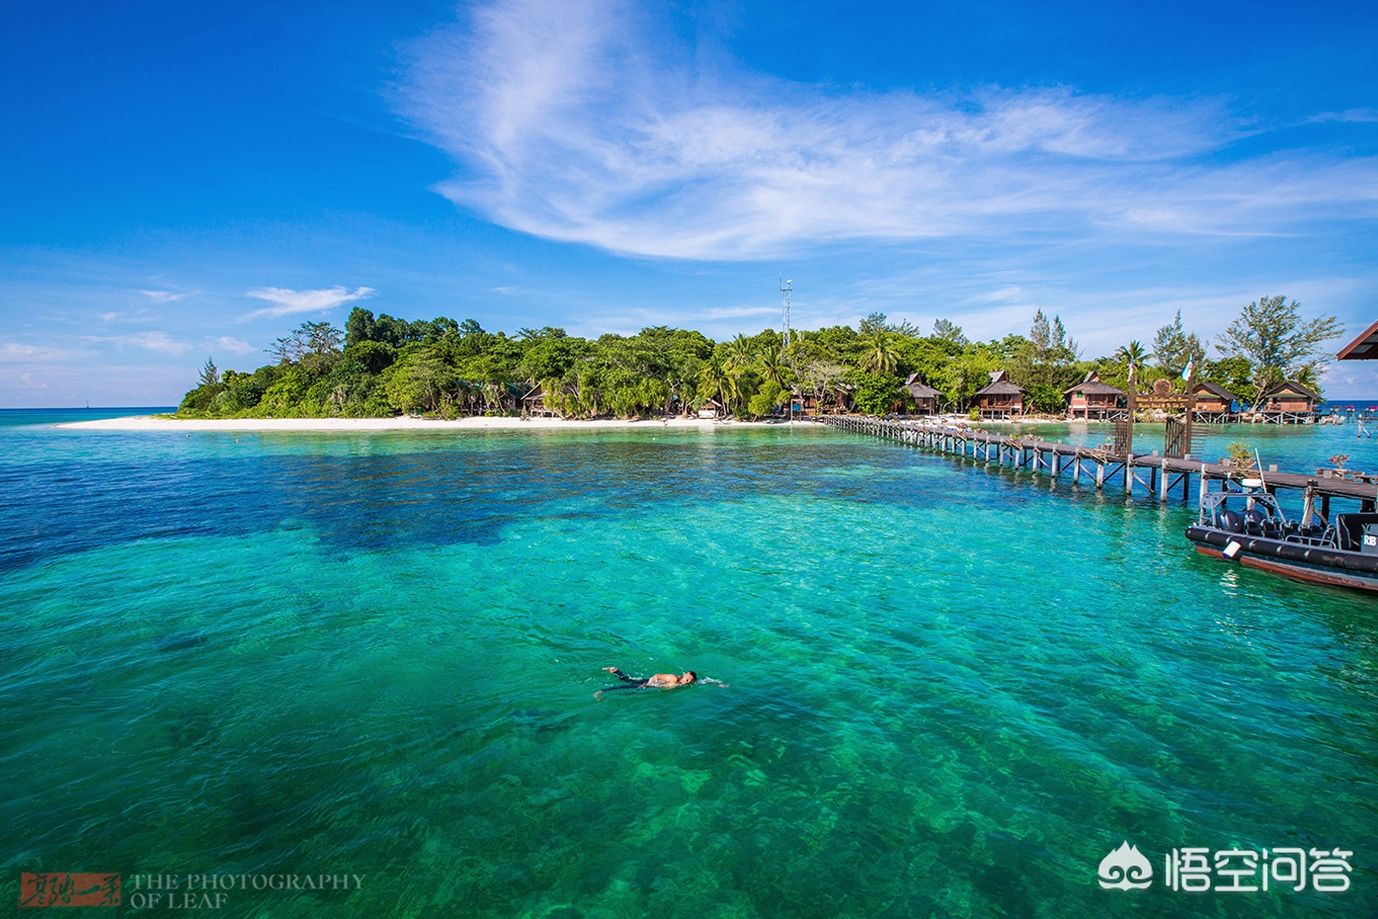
(1091, 399)
(925, 396)
(1001, 398)
(1290, 398)
(1213, 401)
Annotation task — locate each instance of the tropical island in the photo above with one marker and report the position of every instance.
(383, 366)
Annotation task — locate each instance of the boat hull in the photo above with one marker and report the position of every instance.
(1314, 564)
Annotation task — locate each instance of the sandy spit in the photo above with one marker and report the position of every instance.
(401, 423)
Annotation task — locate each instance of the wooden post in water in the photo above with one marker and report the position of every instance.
(1129, 474)
(1205, 484)
(1187, 446)
(1100, 474)
(1162, 484)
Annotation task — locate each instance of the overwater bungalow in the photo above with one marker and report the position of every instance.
(1214, 403)
(1093, 400)
(1001, 398)
(925, 396)
(1288, 402)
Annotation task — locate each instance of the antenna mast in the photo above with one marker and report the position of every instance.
(785, 289)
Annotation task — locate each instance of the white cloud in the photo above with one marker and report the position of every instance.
(11, 352)
(150, 341)
(290, 302)
(162, 296)
(234, 345)
(571, 129)
(26, 381)
(1352, 116)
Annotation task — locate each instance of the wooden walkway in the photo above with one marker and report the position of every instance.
(1154, 477)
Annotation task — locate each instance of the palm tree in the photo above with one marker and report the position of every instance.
(715, 381)
(1132, 352)
(879, 357)
(739, 353)
(771, 363)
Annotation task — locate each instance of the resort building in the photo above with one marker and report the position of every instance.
(1214, 403)
(710, 409)
(1001, 398)
(1288, 400)
(1093, 400)
(925, 396)
(533, 403)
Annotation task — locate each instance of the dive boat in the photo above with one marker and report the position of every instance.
(1247, 526)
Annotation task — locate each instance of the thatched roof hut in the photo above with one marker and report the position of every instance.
(1092, 398)
(1000, 398)
(1290, 396)
(925, 396)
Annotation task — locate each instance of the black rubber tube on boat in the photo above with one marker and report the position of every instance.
(1294, 551)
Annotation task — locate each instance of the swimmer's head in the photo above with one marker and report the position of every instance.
(689, 677)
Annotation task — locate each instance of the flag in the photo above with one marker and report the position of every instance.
(1186, 374)
(1131, 370)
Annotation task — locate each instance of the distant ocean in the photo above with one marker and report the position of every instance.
(951, 691)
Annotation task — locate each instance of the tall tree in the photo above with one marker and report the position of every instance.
(874, 322)
(1279, 344)
(359, 326)
(210, 374)
(1174, 348)
(1047, 354)
(320, 337)
(947, 331)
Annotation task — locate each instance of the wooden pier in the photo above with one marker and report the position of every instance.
(1156, 478)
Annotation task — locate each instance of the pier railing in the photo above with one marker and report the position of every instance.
(1158, 478)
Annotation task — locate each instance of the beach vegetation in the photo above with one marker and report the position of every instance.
(384, 365)
(1174, 348)
(1279, 344)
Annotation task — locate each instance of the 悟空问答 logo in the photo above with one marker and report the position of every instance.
(1125, 869)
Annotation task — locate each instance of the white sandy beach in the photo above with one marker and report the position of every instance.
(401, 423)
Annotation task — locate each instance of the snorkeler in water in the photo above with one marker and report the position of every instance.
(657, 681)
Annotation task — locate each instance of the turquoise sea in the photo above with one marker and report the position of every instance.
(951, 691)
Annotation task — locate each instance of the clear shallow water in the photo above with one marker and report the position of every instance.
(952, 692)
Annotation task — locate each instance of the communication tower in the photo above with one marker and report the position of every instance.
(785, 288)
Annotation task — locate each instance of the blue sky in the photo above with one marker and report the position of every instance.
(184, 180)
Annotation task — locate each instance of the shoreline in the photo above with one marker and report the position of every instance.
(407, 423)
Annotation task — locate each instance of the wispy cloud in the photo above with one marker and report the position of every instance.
(572, 129)
(26, 381)
(11, 352)
(149, 341)
(234, 345)
(1353, 116)
(162, 296)
(290, 302)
